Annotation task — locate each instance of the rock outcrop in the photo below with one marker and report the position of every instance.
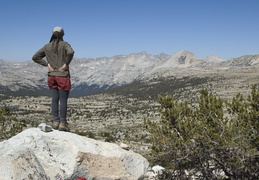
(34, 154)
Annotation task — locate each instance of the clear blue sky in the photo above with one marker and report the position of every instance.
(98, 28)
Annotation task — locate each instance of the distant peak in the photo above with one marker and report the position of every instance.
(162, 53)
(143, 52)
(184, 52)
(213, 58)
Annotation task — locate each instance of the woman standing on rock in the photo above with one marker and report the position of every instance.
(59, 54)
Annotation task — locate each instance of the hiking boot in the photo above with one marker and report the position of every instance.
(55, 124)
(63, 126)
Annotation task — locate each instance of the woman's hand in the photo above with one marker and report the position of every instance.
(63, 68)
(50, 68)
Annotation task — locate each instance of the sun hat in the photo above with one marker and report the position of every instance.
(58, 29)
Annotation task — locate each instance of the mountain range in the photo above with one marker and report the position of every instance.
(93, 75)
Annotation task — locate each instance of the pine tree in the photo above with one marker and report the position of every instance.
(212, 139)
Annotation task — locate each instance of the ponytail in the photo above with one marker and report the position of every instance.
(56, 38)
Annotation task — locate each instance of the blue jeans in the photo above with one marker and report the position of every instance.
(59, 112)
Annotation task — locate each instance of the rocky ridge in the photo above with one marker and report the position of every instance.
(92, 75)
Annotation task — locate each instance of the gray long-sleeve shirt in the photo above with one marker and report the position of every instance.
(64, 55)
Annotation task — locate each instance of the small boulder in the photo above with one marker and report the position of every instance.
(44, 127)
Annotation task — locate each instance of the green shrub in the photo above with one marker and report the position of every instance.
(109, 137)
(9, 125)
(88, 134)
(201, 140)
